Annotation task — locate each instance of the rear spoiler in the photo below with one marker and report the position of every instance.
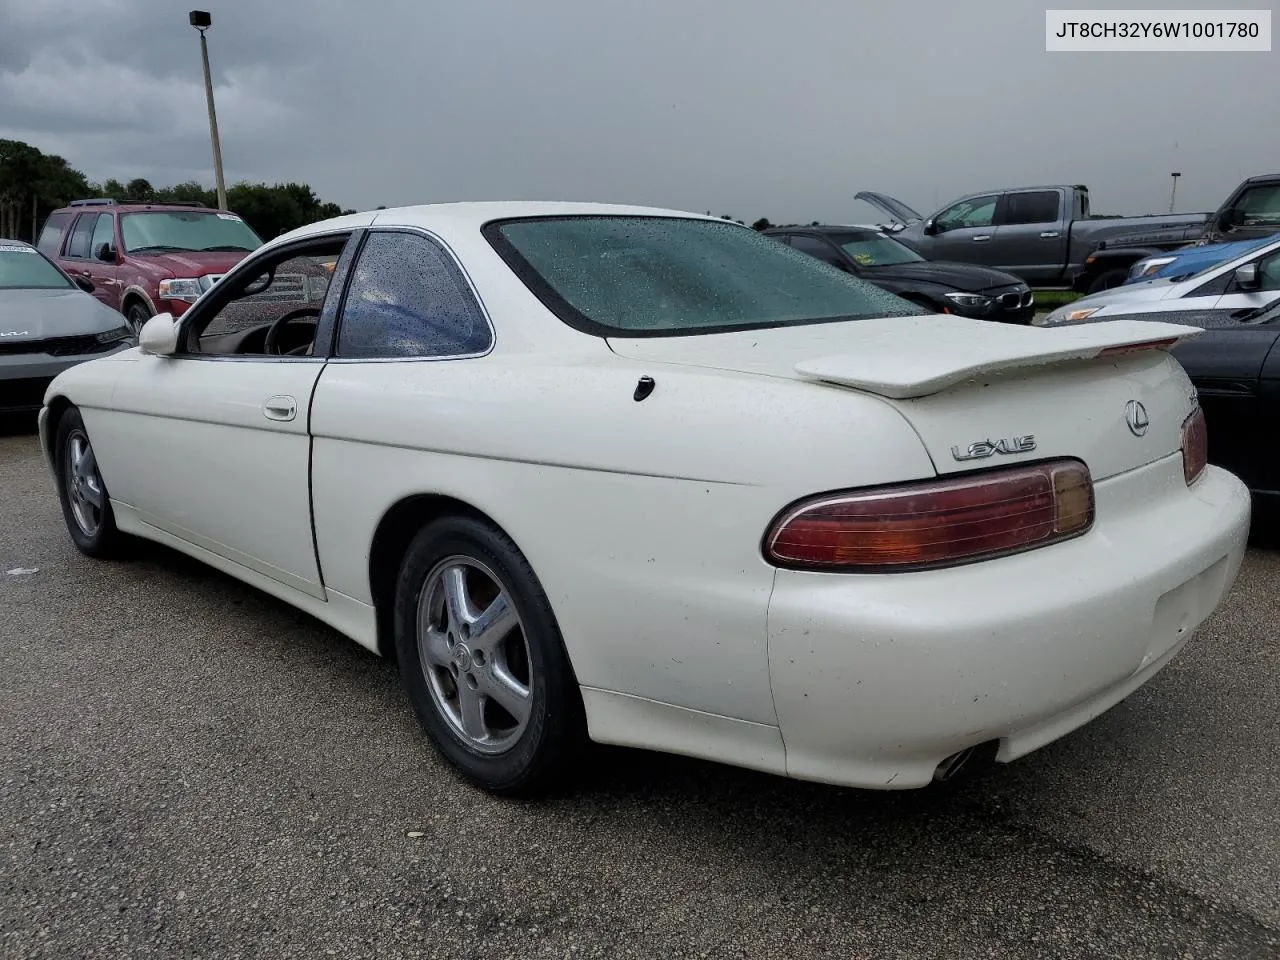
(908, 357)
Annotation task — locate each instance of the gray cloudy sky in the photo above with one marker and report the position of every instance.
(781, 108)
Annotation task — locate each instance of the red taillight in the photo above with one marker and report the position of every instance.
(1195, 446)
(937, 522)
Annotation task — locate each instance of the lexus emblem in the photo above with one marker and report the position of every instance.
(1135, 415)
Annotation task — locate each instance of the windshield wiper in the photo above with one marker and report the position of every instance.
(158, 248)
(226, 248)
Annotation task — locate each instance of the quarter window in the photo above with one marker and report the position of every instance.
(51, 236)
(407, 299)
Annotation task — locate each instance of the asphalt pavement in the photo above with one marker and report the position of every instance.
(192, 769)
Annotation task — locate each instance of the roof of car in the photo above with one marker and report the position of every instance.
(824, 228)
(5, 242)
(471, 215)
(105, 207)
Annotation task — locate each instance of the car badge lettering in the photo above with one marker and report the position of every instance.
(1135, 415)
(16, 333)
(986, 448)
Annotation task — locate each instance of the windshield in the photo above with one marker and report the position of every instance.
(668, 276)
(24, 268)
(179, 230)
(871, 249)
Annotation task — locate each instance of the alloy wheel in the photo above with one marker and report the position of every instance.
(84, 484)
(474, 654)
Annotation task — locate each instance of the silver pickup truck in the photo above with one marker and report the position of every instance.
(1044, 235)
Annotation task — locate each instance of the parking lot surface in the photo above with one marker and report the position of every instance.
(192, 769)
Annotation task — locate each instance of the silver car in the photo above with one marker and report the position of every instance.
(48, 322)
(1246, 282)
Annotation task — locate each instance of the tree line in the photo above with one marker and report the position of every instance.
(33, 184)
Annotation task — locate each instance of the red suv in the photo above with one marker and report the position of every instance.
(146, 258)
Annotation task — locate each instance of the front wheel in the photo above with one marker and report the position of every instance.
(86, 507)
(137, 315)
(482, 660)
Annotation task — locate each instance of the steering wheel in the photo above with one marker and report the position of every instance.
(271, 343)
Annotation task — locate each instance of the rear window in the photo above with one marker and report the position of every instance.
(21, 267)
(670, 276)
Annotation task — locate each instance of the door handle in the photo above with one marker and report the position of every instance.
(280, 408)
(1050, 234)
(980, 238)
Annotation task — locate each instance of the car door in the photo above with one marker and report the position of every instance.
(963, 232)
(409, 322)
(75, 258)
(212, 444)
(101, 262)
(1031, 239)
(1241, 408)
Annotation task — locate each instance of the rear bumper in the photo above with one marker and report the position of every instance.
(877, 679)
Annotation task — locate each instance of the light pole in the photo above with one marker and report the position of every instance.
(201, 20)
(1173, 195)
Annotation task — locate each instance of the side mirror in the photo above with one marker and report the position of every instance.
(159, 336)
(84, 283)
(106, 253)
(1247, 277)
(930, 227)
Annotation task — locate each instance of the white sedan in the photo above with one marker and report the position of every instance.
(653, 479)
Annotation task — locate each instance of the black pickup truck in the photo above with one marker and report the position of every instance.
(1250, 212)
(1047, 236)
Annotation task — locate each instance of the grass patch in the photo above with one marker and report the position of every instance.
(1052, 299)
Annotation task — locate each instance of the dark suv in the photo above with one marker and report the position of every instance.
(959, 288)
(146, 258)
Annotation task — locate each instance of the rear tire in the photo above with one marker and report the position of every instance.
(1108, 279)
(502, 704)
(86, 506)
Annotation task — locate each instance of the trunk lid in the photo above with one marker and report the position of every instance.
(978, 394)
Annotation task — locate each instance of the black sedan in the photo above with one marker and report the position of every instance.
(959, 288)
(1235, 366)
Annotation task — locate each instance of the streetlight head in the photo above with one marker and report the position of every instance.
(200, 19)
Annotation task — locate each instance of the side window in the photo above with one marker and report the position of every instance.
(272, 308)
(78, 245)
(1038, 206)
(1259, 206)
(104, 234)
(1269, 272)
(406, 298)
(974, 212)
(782, 238)
(50, 240)
(817, 247)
